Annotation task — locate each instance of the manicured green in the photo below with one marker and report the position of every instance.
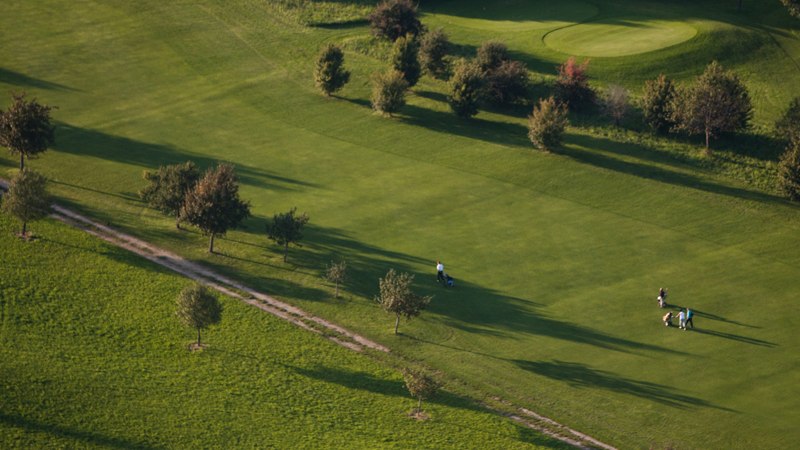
(557, 257)
(96, 358)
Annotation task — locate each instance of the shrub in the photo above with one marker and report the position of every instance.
(329, 73)
(615, 103)
(466, 88)
(27, 198)
(547, 123)
(491, 54)
(392, 19)
(657, 102)
(788, 126)
(405, 59)
(507, 83)
(433, 48)
(572, 85)
(388, 91)
(789, 171)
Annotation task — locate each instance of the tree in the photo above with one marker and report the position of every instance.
(491, 54)
(546, 124)
(507, 83)
(434, 46)
(213, 205)
(466, 89)
(572, 85)
(198, 308)
(657, 103)
(405, 59)
(392, 19)
(168, 188)
(789, 171)
(718, 102)
(329, 73)
(336, 273)
(27, 198)
(615, 103)
(287, 228)
(788, 126)
(396, 296)
(25, 128)
(420, 386)
(793, 6)
(388, 91)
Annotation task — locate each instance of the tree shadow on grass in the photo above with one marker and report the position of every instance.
(734, 337)
(20, 79)
(502, 133)
(85, 437)
(651, 172)
(582, 376)
(97, 144)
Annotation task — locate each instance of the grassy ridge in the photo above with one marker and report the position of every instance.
(557, 256)
(96, 358)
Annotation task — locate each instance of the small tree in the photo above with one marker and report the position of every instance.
(214, 205)
(788, 126)
(168, 187)
(27, 198)
(789, 171)
(392, 19)
(491, 54)
(420, 386)
(25, 128)
(198, 308)
(718, 102)
(287, 228)
(547, 123)
(466, 89)
(336, 273)
(405, 59)
(657, 103)
(572, 85)
(396, 296)
(388, 91)
(329, 73)
(615, 103)
(434, 46)
(793, 6)
(508, 83)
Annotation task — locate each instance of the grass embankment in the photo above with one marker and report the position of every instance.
(557, 257)
(93, 356)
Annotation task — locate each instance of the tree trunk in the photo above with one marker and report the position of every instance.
(24, 228)
(198, 337)
(396, 323)
(740, 5)
(337, 290)
(211, 244)
(708, 138)
(178, 224)
(419, 404)
(21, 161)
(285, 251)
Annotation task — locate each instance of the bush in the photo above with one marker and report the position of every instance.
(508, 83)
(466, 89)
(615, 103)
(388, 91)
(789, 171)
(788, 126)
(547, 123)
(405, 59)
(572, 85)
(392, 19)
(329, 73)
(491, 54)
(433, 48)
(656, 103)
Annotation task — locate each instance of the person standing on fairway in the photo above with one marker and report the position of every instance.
(689, 316)
(439, 271)
(682, 320)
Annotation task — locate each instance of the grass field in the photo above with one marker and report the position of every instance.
(557, 256)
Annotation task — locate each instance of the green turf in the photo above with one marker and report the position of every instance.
(96, 358)
(558, 257)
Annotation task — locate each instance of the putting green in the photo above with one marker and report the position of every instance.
(509, 15)
(619, 36)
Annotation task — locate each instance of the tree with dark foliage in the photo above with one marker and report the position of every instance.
(168, 188)
(572, 85)
(657, 103)
(27, 198)
(198, 308)
(405, 59)
(392, 19)
(434, 46)
(329, 72)
(287, 228)
(25, 128)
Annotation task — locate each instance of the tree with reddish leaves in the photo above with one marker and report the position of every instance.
(572, 85)
(392, 19)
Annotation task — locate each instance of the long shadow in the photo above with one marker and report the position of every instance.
(86, 437)
(124, 196)
(735, 337)
(504, 133)
(583, 376)
(20, 79)
(115, 253)
(97, 144)
(710, 316)
(652, 172)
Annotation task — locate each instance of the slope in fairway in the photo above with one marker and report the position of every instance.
(516, 16)
(621, 36)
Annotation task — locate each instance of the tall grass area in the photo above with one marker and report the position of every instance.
(557, 257)
(96, 358)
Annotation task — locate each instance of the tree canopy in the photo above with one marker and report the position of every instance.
(336, 273)
(168, 187)
(329, 72)
(405, 58)
(419, 385)
(25, 128)
(434, 47)
(397, 297)
(547, 123)
(466, 88)
(392, 19)
(27, 198)
(287, 228)
(388, 91)
(199, 308)
(572, 85)
(657, 103)
(214, 205)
